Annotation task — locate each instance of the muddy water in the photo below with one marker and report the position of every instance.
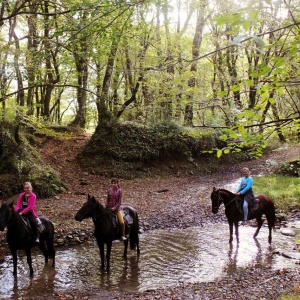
(167, 257)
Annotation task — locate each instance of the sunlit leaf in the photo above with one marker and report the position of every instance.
(239, 39)
(246, 25)
(272, 101)
(219, 153)
(250, 82)
(235, 88)
(279, 62)
(258, 40)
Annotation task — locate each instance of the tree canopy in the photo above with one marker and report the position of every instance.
(227, 66)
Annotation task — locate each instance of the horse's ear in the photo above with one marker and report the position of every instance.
(91, 198)
(214, 189)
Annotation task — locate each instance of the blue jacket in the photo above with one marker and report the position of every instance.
(245, 185)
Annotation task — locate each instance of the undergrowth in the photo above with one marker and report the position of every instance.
(20, 161)
(284, 190)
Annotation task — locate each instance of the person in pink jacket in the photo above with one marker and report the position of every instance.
(114, 201)
(26, 206)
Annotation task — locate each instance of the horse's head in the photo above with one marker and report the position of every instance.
(6, 211)
(87, 210)
(216, 200)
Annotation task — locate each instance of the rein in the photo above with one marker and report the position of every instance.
(8, 223)
(95, 216)
(221, 200)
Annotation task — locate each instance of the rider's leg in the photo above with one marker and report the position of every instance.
(122, 225)
(33, 224)
(245, 209)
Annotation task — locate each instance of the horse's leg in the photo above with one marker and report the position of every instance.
(236, 226)
(230, 231)
(29, 260)
(138, 247)
(101, 249)
(108, 251)
(51, 250)
(125, 248)
(271, 218)
(44, 250)
(270, 225)
(259, 224)
(15, 260)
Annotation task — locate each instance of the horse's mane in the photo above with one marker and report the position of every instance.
(14, 214)
(99, 206)
(225, 191)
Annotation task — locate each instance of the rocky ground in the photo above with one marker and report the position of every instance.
(182, 200)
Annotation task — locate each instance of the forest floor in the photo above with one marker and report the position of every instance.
(180, 200)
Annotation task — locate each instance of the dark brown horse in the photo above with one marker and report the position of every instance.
(106, 231)
(234, 215)
(20, 236)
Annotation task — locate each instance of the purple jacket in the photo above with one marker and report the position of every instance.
(31, 204)
(114, 198)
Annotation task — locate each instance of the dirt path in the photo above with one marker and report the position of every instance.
(162, 202)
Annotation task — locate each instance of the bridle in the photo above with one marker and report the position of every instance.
(9, 221)
(221, 200)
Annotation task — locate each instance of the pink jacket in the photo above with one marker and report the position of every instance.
(114, 198)
(31, 204)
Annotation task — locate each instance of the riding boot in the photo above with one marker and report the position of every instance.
(37, 240)
(123, 237)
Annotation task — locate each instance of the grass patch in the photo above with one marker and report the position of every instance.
(294, 296)
(284, 190)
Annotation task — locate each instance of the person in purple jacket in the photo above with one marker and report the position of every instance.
(245, 189)
(26, 206)
(114, 201)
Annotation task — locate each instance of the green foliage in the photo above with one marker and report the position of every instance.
(284, 190)
(291, 168)
(128, 142)
(21, 162)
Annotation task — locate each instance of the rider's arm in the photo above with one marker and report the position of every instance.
(118, 204)
(249, 183)
(239, 187)
(31, 204)
(18, 206)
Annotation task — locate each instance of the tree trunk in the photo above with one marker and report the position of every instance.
(188, 114)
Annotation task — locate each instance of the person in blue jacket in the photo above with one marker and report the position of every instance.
(245, 189)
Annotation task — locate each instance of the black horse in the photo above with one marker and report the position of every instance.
(20, 236)
(105, 229)
(234, 214)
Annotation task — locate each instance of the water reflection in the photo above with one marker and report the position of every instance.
(167, 257)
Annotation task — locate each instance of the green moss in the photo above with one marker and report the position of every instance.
(20, 162)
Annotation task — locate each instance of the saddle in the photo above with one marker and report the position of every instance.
(128, 220)
(27, 225)
(252, 206)
(40, 226)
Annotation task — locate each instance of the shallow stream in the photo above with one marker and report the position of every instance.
(167, 257)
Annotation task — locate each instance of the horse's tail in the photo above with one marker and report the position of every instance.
(134, 232)
(273, 218)
(49, 237)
